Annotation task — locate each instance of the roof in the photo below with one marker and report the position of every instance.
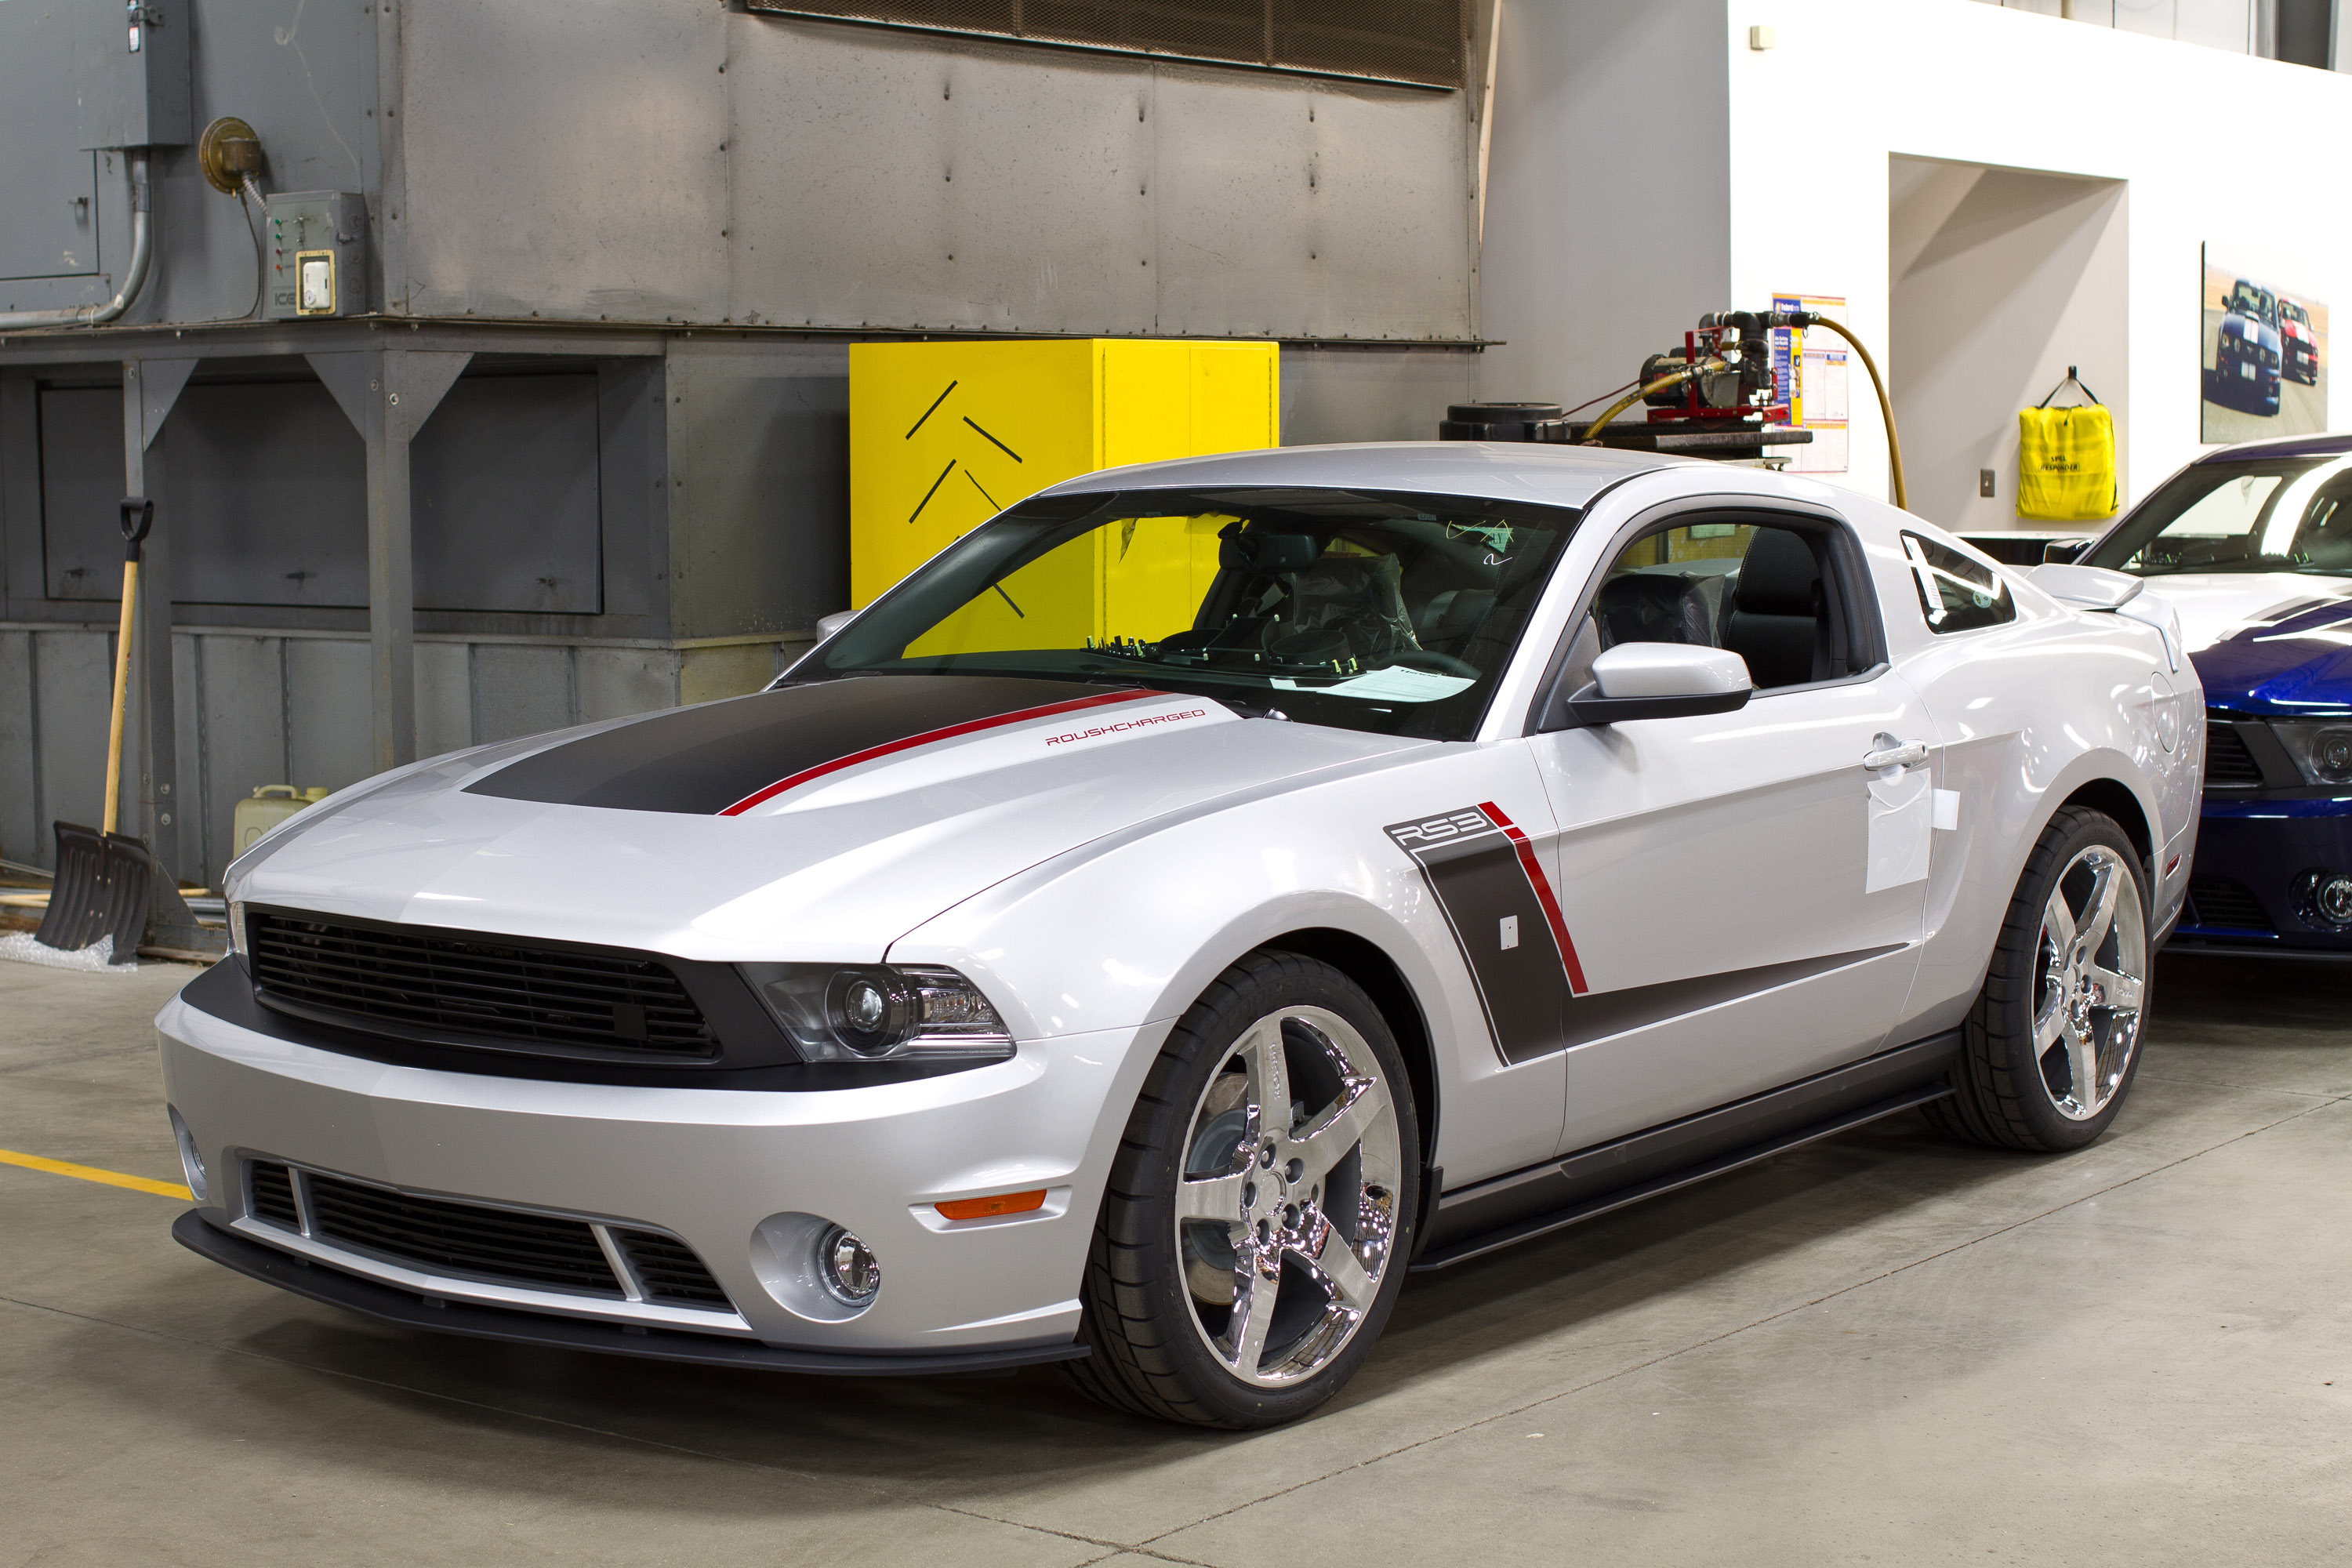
(2322, 445)
(1542, 474)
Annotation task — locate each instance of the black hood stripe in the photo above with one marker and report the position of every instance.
(717, 757)
(969, 727)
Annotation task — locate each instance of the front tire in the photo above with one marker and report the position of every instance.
(1253, 1236)
(2053, 1040)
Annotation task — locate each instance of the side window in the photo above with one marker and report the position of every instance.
(1956, 593)
(1730, 581)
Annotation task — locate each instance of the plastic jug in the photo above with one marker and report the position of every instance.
(270, 806)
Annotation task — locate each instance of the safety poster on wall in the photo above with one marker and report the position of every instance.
(1809, 375)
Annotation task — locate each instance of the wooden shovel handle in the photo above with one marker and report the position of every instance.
(122, 689)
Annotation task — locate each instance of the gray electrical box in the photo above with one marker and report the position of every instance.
(316, 248)
(130, 73)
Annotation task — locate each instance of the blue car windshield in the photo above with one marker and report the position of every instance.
(2255, 514)
(1391, 613)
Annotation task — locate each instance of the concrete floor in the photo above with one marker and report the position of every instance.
(1882, 1348)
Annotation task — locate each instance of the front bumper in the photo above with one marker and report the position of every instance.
(708, 1166)
(2250, 855)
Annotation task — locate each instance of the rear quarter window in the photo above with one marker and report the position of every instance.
(1957, 593)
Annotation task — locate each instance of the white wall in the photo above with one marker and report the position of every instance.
(1608, 215)
(2001, 279)
(2214, 145)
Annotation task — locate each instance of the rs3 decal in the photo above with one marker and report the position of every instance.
(1496, 898)
(1506, 919)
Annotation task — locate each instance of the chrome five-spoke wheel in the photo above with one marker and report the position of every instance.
(2047, 1054)
(1286, 1210)
(2092, 976)
(1262, 1206)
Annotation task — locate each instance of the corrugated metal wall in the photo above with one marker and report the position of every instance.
(262, 708)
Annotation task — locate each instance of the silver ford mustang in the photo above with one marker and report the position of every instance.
(1195, 899)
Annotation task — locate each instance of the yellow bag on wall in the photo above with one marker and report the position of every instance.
(2065, 464)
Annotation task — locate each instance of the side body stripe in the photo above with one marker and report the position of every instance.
(1542, 886)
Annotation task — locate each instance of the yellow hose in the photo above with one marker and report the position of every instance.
(1886, 409)
(1674, 378)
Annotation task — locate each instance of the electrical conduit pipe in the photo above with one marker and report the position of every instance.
(143, 254)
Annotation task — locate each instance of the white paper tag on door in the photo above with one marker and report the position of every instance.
(1902, 824)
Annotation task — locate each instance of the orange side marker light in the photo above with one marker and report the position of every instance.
(989, 1208)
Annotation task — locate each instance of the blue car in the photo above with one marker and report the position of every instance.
(2253, 544)
(2245, 373)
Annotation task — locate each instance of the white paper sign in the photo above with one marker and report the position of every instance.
(1902, 824)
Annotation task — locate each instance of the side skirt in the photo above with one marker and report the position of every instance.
(1592, 1181)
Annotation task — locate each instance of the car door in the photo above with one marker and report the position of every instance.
(1742, 893)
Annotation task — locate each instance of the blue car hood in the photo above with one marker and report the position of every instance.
(2268, 643)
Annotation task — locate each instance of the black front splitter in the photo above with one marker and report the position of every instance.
(320, 1282)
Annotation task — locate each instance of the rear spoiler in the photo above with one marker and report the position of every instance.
(2096, 588)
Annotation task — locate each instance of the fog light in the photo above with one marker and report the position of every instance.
(191, 1163)
(2323, 897)
(847, 1268)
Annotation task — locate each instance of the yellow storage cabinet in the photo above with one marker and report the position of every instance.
(943, 436)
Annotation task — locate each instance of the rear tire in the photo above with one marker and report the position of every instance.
(2053, 1040)
(1254, 1236)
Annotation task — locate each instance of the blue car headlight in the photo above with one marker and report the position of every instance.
(2322, 751)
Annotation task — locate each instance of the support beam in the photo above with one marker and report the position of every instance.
(388, 394)
(153, 809)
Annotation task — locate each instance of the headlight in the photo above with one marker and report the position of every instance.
(2322, 751)
(837, 1013)
(236, 928)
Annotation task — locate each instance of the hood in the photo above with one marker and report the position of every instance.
(818, 822)
(2274, 642)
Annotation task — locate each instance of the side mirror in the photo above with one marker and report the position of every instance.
(828, 625)
(1655, 681)
(2060, 551)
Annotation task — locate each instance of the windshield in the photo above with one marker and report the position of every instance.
(2248, 300)
(2294, 312)
(1365, 610)
(2262, 514)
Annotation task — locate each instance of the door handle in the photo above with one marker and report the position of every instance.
(1888, 753)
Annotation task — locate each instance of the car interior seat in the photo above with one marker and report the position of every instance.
(1642, 607)
(1779, 621)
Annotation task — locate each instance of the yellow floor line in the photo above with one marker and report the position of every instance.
(92, 1173)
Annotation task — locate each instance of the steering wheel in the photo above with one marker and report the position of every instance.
(1431, 662)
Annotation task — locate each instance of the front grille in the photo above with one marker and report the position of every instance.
(462, 1239)
(2218, 903)
(511, 1246)
(452, 982)
(272, 1196)
(2226, 760)
(668, 1269)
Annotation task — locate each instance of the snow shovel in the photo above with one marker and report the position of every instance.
(104, 879)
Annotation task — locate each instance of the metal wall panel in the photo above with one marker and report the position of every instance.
(241, 700)
(82, 490)
(73, 683)
(701, 166)
(1345, 393)
(44, 235)
(329, 741)
(616, 682)
(884, 180)
(188, 756)
(1352, 221)
(588, 182)
(521, 689)
(505, 497)
(758, 502)
(444, 698)
(22, 827)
